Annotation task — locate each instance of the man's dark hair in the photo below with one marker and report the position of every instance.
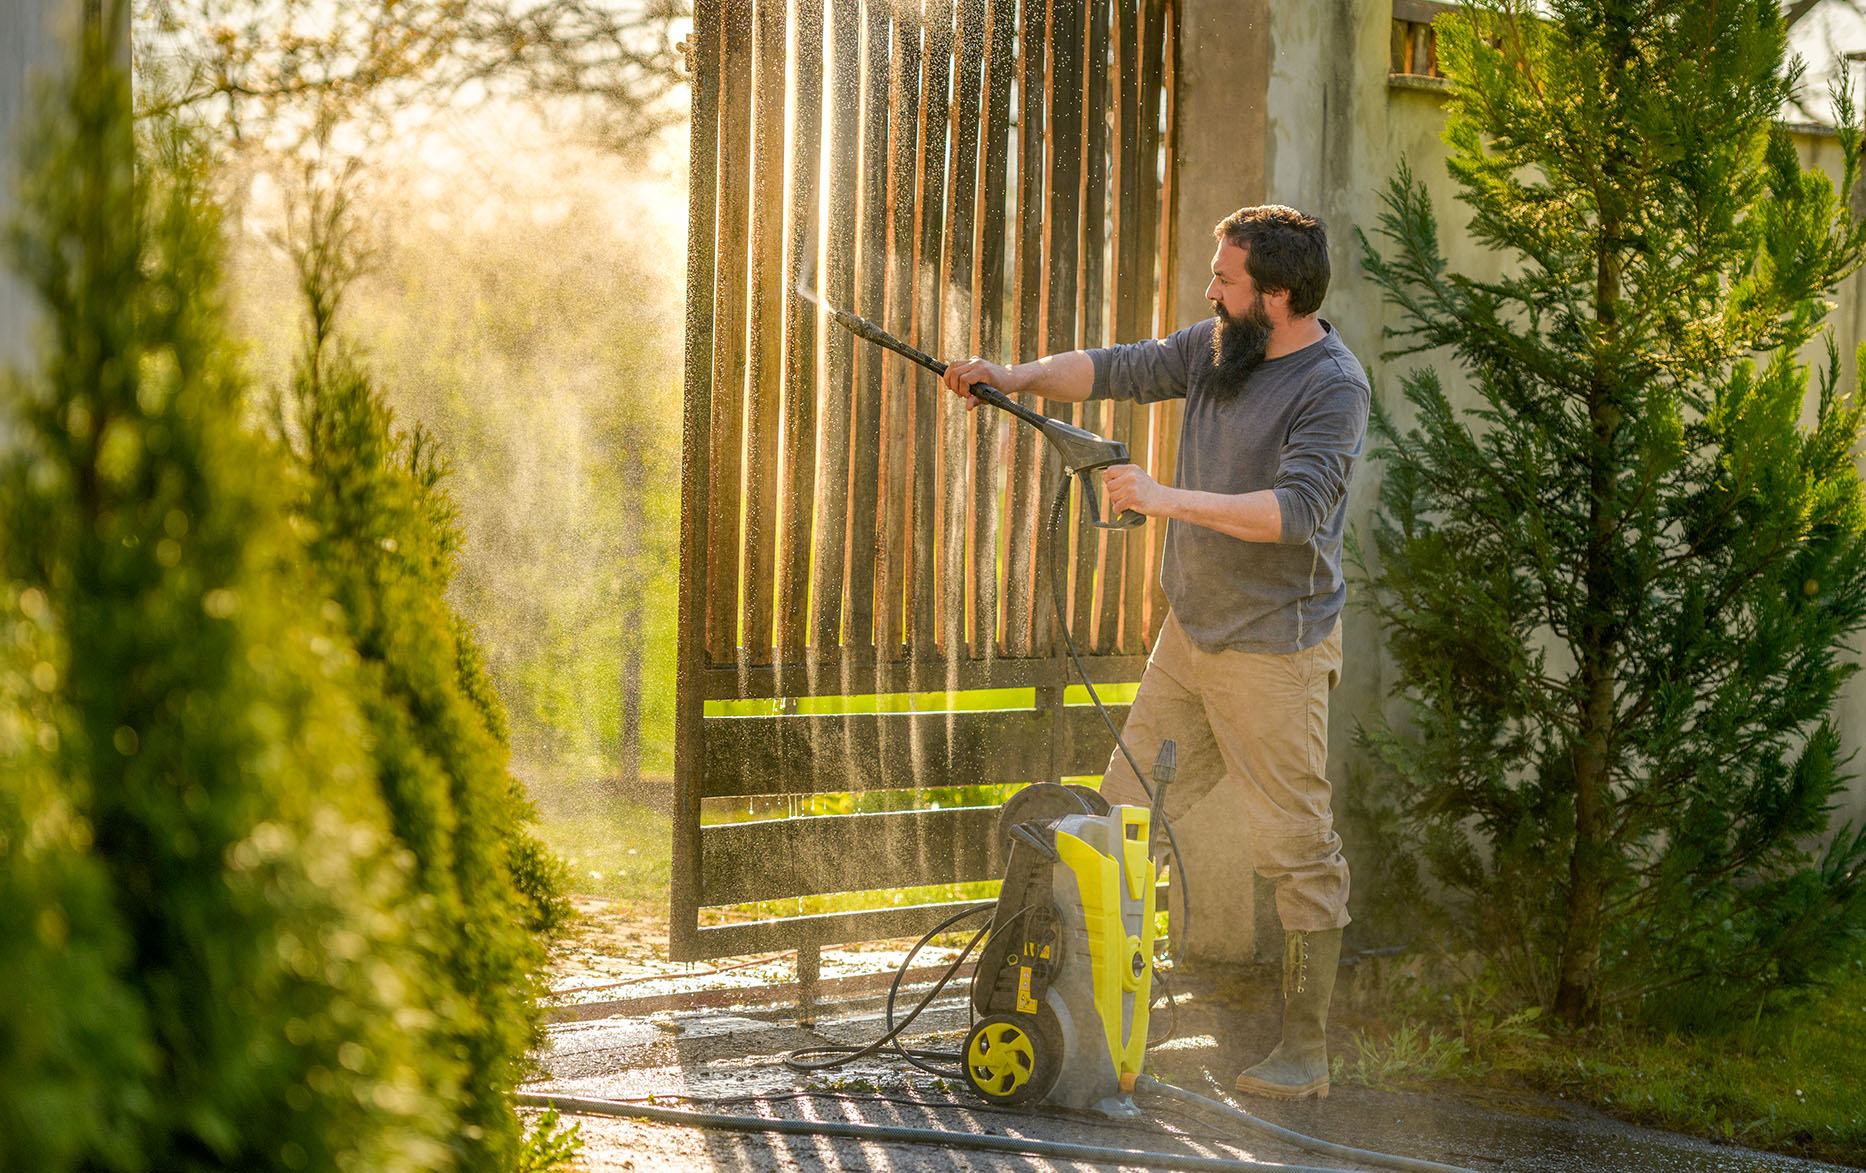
(1287, 252)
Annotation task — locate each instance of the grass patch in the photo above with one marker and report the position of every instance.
(1790, 1080)
(621, 853)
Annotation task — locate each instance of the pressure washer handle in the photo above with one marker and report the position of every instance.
(1084, 454)
(1091, 503)
(1165, 769)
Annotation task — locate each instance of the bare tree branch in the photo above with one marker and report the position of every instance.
(299, 67)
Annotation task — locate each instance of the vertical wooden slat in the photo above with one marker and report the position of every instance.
(696, 426)
(988, 305)
(800, 374)
(871, 281)
(726, 458)
(961, 312)
(1169, 186)
(766, 340)
(1131, 291)
(1020, 538)
(1169, 174)
(1155, 244)
(1096, 586)
(936, 64)
(898, 386)
(1062, 237)
(843, 179)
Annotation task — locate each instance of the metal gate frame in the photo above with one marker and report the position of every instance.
(834, 541)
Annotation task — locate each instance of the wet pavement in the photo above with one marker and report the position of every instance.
(635, 1043)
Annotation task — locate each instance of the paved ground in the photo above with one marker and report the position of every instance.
(630, 1044)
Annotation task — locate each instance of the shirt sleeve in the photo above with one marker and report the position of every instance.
(1316, 459)
(1145, 372)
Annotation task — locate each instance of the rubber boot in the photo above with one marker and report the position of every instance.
(1298, 1067)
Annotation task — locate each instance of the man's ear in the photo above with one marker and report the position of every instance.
(1276, 306)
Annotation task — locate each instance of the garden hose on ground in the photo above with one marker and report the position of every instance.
(885, 1134)
(813, 1059)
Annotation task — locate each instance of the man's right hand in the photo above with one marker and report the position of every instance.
(960, 376)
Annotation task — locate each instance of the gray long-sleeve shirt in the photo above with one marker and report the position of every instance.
(1295, 427)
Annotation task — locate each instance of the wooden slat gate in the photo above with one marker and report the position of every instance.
(980, 176)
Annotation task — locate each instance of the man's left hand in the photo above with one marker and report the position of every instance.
(1129, 487)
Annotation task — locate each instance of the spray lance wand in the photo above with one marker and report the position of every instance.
(1083, 452)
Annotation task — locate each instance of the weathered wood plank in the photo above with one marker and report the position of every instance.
(872, 924)
(989, 431)
(896, 550)
(851, 676)
(808, 856)
(936, 67)
(842, 177)
(1157, 248)
(796, 505)
(765, 338)
(870, 372)
(1168, 86)
(959, 312)
(851, 752)
(1089, 568)
(725, 463)
(696, 424)
(1086, 742)
(1020, 572)
(1062, 253)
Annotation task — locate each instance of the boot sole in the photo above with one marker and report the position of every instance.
(1252, 1086)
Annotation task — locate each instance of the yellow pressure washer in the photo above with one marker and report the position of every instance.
(1063, 987)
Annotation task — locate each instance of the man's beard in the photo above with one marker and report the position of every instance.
(1238, 344)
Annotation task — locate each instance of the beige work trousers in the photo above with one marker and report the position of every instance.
(1258, 723)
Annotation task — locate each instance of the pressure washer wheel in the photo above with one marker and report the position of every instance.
(1008, 1059)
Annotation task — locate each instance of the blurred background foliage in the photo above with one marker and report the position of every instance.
(513, 173)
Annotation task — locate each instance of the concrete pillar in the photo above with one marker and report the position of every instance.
(1222, 101)
(1279, 102)
(32, 36)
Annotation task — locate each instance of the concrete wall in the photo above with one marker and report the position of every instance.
(30, 36)
(1288, 101)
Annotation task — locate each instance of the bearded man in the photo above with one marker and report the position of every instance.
(1275, 416)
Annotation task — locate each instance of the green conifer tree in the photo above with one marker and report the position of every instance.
(204, 951)
(1618, 592)
(383, 536)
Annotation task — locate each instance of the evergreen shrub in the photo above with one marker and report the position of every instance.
(207, 941)
(1618, 592)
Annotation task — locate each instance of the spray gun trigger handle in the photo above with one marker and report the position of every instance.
(1091, 501)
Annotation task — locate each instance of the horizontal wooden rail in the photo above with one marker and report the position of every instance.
(854, 677)
(854, 752)
(831, 928)
(815, 855)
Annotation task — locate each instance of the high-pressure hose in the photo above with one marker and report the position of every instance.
(1061, 1150)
